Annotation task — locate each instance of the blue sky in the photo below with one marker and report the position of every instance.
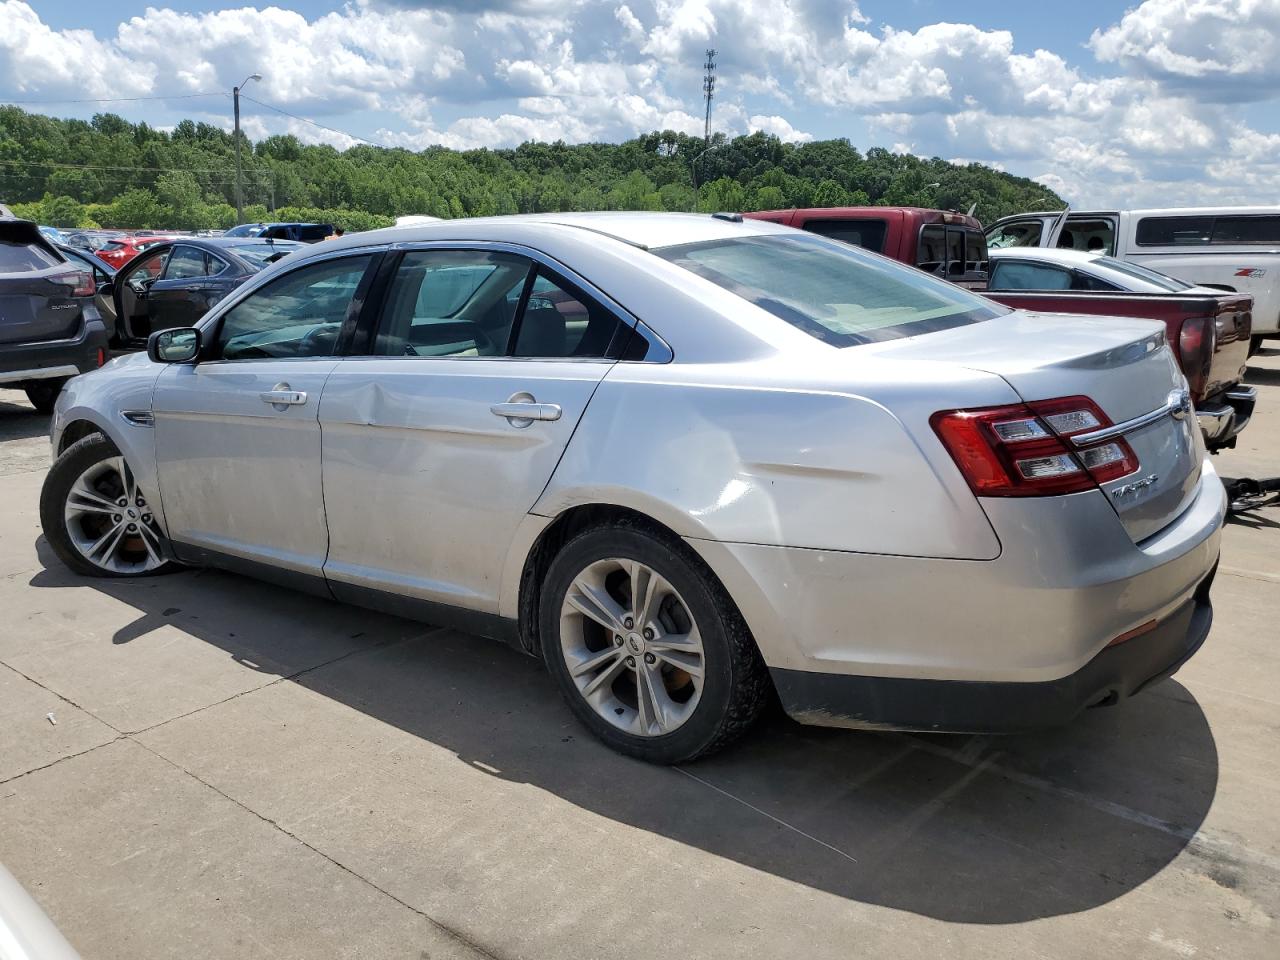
(1163, 102)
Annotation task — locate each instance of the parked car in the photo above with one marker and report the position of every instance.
(174, 282)
(103, 279)
(49, 327)
(118, 252)
(941, 242)
(1229, 248)
(52, 234)
(302, 232)
(90, 240)
(1209, 330)
(26, 932)
(681, 459)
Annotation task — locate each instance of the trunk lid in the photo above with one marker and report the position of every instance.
(1125, 366)
(35, 298)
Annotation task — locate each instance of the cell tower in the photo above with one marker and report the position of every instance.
(709, 91)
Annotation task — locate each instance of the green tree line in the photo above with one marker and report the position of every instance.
(112, 173)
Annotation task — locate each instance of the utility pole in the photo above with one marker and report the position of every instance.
(235, 100)
(709, 91)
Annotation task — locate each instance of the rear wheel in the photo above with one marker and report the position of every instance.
(95, 517)
(44, 393)
(647, 648)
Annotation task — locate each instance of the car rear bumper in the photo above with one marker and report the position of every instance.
(958, 706)
(1068, 582)
(53, 359)
(1225, 415)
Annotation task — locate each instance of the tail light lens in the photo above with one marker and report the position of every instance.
(1023, 450)
(1197, 341)
(80, 282)
(102, 357)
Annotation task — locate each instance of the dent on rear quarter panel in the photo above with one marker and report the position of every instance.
(798, 468)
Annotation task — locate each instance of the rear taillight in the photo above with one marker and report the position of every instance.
(102, 357)
(1197, 341)
(1024, 450)
(80, 282)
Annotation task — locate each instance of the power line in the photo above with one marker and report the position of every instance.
(181, 96)
(134, 169)
(314, 123)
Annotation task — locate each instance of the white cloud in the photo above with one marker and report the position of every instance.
(779, 127)
(1154, 117)
(1221, 48)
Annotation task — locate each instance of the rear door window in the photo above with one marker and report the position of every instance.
(1097, 235)
(1025, 275)
(868, 234)
(313, 233)
(560, 321)
(186, 263)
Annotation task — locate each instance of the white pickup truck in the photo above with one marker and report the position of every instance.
(1230, 248)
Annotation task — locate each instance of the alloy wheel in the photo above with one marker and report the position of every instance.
(109, 522)
(632, 647)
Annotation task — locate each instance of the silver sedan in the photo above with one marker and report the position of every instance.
(685, 460)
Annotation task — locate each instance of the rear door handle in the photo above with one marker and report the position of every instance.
(284, 398)
(521, 413)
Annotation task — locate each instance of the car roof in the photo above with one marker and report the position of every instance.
(1069, 258)
(636, 228)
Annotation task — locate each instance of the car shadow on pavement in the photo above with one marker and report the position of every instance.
(21, 422)
(986, 830)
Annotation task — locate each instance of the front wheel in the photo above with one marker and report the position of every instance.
(647, 647)
(95, 517)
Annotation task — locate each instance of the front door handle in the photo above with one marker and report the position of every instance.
(282, 396)
(521, 410)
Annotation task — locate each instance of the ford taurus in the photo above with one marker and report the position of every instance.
(686, 460)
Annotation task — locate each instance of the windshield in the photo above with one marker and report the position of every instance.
(833, 291)
(261, 254)
(1160, 280)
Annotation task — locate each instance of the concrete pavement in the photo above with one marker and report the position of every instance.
(239, 771)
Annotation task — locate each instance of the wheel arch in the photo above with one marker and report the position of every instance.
(572, 521)
(76, 430)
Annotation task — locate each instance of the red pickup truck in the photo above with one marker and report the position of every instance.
(1209, 332)
(940, 242)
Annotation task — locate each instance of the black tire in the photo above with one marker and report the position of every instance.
(736, 685)
(77, 458)
(43, 394)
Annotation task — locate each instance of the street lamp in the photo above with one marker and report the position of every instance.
(235, 99)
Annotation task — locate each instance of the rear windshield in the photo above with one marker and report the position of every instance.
(1143, 273)
(261, 254)
(833, 291)
(17, 257)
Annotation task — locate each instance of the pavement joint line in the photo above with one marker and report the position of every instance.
(764, 813)
(1192, 837)
(1265, 577)
(70, 756)
(63, 698)
(282, 679)
(457, 936)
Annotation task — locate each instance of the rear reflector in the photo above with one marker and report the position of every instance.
(1020, 450)
(1135, 632)
(102, 357)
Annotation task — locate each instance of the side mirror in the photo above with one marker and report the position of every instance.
(179, 345)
